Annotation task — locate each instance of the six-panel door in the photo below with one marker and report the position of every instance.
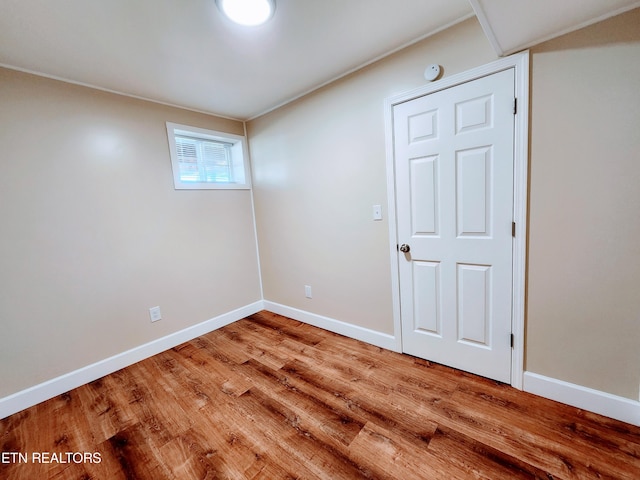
(454, 185)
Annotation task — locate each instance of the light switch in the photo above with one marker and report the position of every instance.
(377, 212)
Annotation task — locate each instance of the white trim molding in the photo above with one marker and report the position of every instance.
(373, 337)
(603, 403)
(57, 386)
(520, 63)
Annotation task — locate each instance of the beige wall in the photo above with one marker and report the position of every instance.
(319, 167)
(584, 244)
(93, 233)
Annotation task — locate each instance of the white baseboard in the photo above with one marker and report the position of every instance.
(612, 406)
(373, 337)
(51, 388)
(603, 403)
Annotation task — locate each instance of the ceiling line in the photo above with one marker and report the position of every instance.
(366, 64)
(116, 92)
(574, 27)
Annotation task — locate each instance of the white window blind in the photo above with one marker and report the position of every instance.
(206, 159)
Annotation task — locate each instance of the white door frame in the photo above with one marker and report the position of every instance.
(520, 63)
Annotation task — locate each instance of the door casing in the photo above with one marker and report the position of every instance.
(520, 63)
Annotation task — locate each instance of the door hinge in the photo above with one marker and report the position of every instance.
(512, 340)
(513, 229)
(515, 106)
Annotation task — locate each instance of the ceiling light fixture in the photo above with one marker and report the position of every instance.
(247, 12)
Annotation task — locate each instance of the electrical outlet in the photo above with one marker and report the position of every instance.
(155, 314)
(307, 291)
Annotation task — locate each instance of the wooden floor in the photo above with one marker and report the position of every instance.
(271, 398)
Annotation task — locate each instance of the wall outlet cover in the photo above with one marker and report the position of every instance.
(155, 314)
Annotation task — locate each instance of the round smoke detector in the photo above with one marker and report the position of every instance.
(432, 72)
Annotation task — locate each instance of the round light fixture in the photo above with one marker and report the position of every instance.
(247, 12)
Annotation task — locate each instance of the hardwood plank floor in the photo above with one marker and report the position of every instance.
(272, 398)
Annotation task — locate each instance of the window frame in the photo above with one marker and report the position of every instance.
(238, 150)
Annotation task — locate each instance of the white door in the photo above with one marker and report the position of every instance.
(454, 152)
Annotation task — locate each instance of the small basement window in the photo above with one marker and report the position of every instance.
(206, 159)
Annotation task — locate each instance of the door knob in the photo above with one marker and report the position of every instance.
(405, 248)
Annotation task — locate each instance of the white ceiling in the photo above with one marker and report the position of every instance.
(183, 52)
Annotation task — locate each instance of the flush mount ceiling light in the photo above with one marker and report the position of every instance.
(247, 12)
